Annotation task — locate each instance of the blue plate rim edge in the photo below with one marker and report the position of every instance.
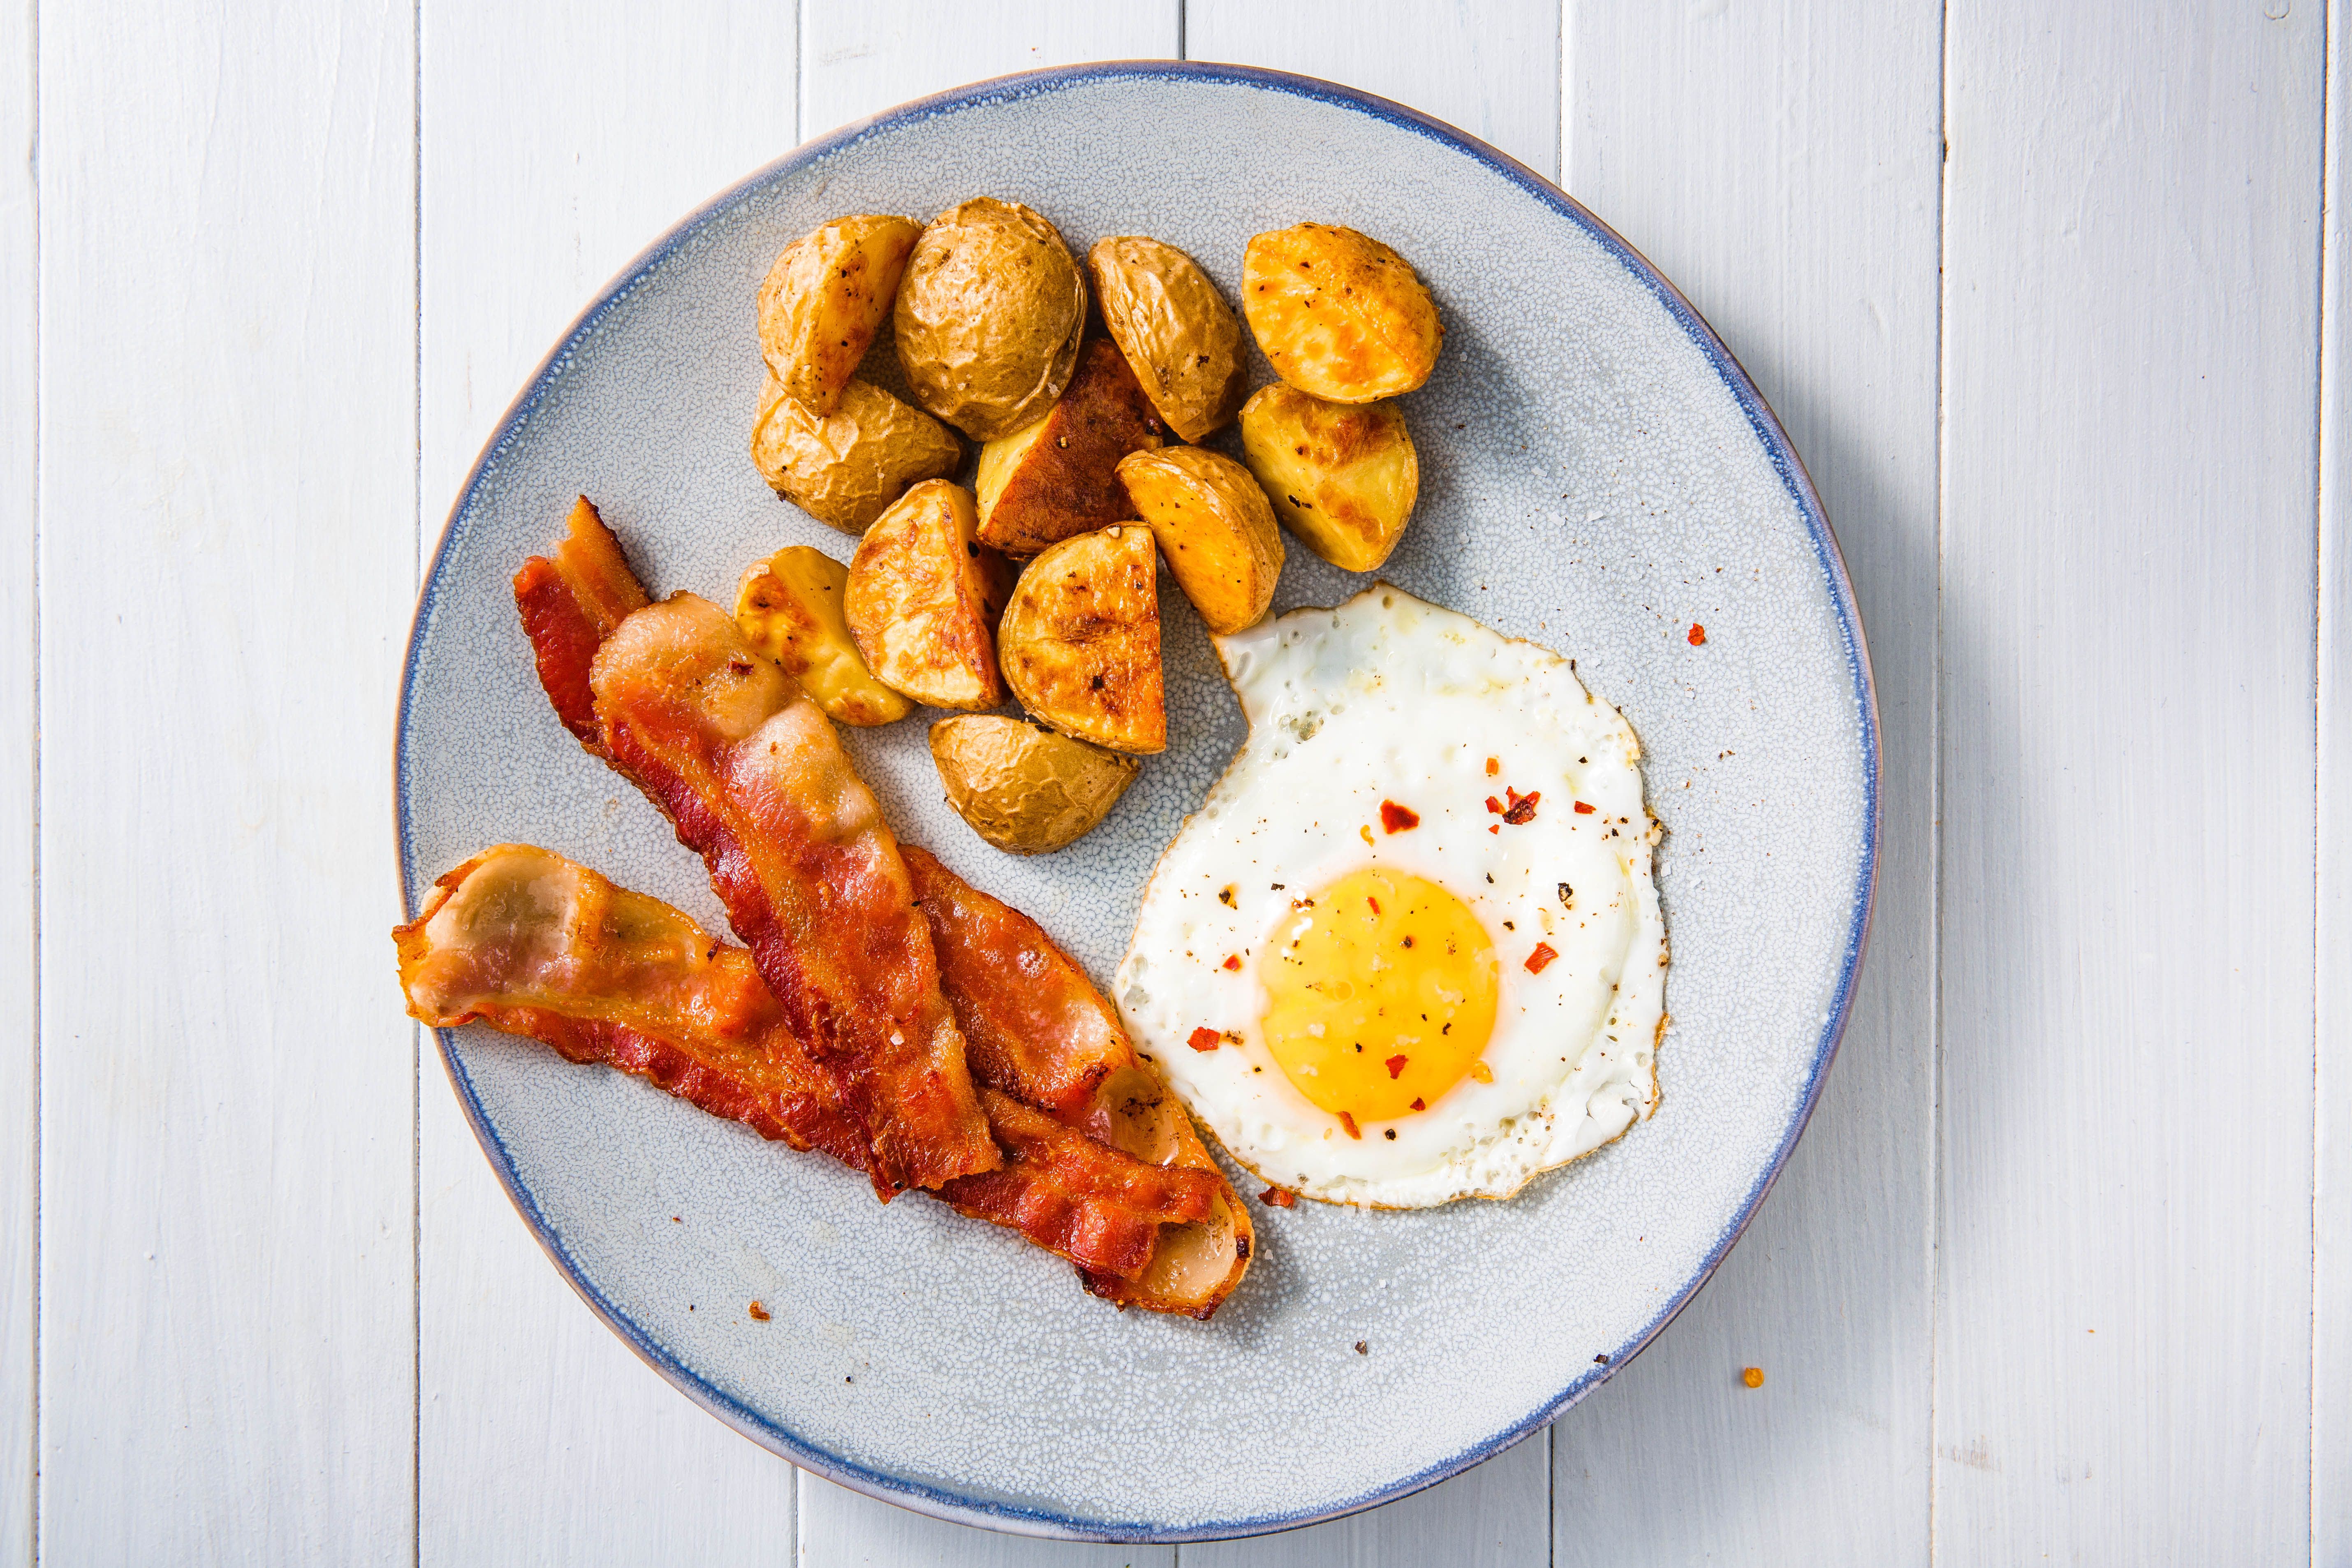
(1786, 463)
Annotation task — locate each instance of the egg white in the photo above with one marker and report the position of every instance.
(1388, 697)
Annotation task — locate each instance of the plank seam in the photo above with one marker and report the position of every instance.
(2327, 436)
(1936, 784)
(417, 575)
(33, 154)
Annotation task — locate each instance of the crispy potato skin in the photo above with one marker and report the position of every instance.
(1080, 640)
(1339, 315)
(1216, 526)
(846, 467)
(789, 606)
(1178, 333)
(826, 296)
(989, 317)
(923, 600)
(1024, 789)
(1060, 476)
(1342, 476)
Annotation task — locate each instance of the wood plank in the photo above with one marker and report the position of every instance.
(19, 1174)
(1491, 66)
(228, 496)
(1781, 163)
(541, 1437)
(2132, 254)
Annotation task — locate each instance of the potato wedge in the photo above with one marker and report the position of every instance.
(1024, 788)
(1080, 640)
(1215, 526)
(923, 600)
(989, 317)
(1342, 475)
(845, 468)
(1060, 476)
(1178, 333)
(789, 606)
(1339, 313)
(826, 296)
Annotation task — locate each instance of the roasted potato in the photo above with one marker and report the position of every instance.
(1080, 640)
(988, 316)
(1024, 788)
(1215, 527)
(923, 599)
(822, 303)
(845, 468)
(1060, 476)
(1342, 475)
(1177, 332)
(1339, 313)
(789, 606)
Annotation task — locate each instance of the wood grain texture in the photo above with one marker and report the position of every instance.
(2132, 254)
(842, 1529)
(227, 510)
(1490, 67)
(18, 1174)
(2331, 1230)
(1781, 163)
(556, 146)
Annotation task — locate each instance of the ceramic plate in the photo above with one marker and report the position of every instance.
(1597, 475)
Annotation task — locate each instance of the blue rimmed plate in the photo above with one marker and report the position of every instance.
(1597, 474)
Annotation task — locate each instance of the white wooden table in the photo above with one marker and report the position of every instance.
(2052, 299)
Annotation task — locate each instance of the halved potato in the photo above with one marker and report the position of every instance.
(923, 600)
(988, 316)
(1339, 313)
(1215, 527)
(1024, 788)
(1080, 640)
(845, 468)
(1342, 475)
(1060, 476)
(826, 296)
(789, 606)
(1177, 332)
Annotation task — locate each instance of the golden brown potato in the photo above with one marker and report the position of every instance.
(1339, 313)
(1176, 330)
(923, 600)
(822, 303)
(789, 606)
(1024, 788)
(988, 316)
(1060, 476)
(846, 467)
(1342, 475)
(1080, 640)
(1215, 527)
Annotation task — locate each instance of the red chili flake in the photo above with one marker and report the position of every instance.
(1233, 961)
(759, 1314)
(1523, 807)
(1276, 1198)
(1582, 809)
(1497, 827)
(1543, 954)
(1395, 819)
(1494, 766)
(1373, 901)
(1698, 634)
(1204, 1039)
(1349, 1122)
(1417, 1105)
(1493, 806)
(1395, 1065)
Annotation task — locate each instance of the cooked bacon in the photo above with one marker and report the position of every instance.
(570, 606)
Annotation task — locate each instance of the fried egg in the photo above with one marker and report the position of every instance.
(1410, 949)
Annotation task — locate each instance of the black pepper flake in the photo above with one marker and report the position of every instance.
(1363, 1347)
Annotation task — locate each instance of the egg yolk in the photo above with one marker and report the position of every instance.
(1381, 993)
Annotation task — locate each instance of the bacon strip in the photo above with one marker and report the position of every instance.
(570, 606)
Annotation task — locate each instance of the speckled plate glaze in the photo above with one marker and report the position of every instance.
(1597, 474)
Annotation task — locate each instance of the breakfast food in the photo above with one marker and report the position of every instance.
(1409, 950)
(826, 296)
(924, 597)
(1024, 788)
(1175, 329)
(988, 316)
(1339, 315)
(845, 468)
(1059, 477)
(789, 606)
(1214, 528)
(1080, 640)
(1343, 477)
